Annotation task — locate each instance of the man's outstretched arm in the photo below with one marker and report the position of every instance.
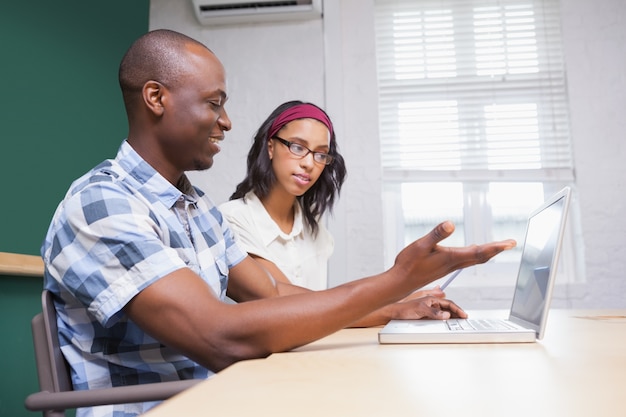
(181, 311)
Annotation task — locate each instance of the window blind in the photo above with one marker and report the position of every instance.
(472, 89)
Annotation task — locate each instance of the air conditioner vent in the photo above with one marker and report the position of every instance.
(251, 5)
(223, 12)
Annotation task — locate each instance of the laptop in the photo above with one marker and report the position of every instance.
(531, 298)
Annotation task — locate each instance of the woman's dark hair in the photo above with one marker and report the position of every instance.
(260, 177)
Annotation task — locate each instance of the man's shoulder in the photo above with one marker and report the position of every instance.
(127, 168)
(107, 171)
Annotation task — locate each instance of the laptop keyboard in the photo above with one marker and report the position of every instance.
(478, 324)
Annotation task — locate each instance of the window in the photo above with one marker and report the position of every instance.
(473, 119)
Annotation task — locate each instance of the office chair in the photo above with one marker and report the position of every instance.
(56, 393)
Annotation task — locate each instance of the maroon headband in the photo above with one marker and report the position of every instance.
(301, 111)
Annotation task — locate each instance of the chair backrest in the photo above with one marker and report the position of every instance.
(52, 369)
(56, 392)
(60, 367)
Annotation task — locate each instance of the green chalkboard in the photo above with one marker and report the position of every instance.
(20, 300)
(61, 109)
(61, 113)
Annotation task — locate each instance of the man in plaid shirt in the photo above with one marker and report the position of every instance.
(140, 262)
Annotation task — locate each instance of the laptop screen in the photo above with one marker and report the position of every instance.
(540, 248)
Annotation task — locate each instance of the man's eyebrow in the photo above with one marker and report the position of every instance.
(223, 97)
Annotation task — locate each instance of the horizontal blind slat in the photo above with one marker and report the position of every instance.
(471, 85)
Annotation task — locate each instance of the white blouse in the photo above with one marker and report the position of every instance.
(300, 256)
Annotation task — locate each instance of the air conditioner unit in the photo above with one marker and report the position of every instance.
(224, 12)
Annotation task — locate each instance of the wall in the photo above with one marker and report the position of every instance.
(331, 62)
(19, 302)
(62, 111)
(61, 114)
(595, 51)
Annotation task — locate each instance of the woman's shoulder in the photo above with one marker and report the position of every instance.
(238, 207)
(233, 207)
(232, 204)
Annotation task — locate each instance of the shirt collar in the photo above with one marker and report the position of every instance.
(268, 228)
(151, 179)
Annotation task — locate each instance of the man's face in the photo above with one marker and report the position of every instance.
(194, 118)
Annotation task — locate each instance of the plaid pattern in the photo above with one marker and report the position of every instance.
(120, 228)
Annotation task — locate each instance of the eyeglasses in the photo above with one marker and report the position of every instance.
(302, 151)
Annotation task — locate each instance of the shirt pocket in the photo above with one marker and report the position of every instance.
(214, 270)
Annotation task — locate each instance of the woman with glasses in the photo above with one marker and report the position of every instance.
(295, 173)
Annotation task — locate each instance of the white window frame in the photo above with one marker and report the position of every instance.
(528, 84)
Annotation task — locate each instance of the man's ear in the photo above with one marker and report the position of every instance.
(153, 93)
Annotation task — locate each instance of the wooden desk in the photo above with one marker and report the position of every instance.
(18, 264)
(578, 369)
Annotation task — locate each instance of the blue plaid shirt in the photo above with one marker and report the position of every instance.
(120, 228)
